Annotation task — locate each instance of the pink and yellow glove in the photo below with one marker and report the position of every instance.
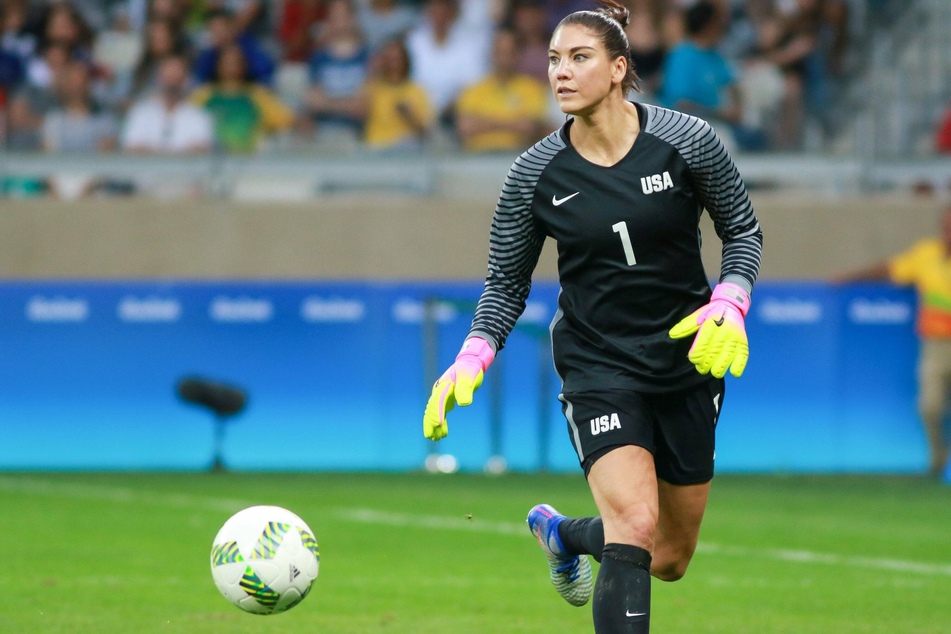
(456, 385)
(721, 342)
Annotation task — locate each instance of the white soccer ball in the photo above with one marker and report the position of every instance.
(265, 559)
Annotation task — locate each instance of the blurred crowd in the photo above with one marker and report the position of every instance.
(243, 76)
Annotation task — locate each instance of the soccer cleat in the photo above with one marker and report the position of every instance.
(571, 575)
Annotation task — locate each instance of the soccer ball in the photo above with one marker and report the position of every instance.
(264, 559)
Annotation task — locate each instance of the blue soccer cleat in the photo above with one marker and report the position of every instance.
(571, 575)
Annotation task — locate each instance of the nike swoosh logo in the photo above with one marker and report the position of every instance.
(557, 201)
(719, 322)
(629, 613)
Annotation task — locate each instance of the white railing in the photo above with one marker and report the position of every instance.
(277, 176)
(303, 176)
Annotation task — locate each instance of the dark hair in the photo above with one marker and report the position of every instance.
(699, 16)
(608, 24)
(85, 34)
(399, 43)
(216, 12)
(148, 61)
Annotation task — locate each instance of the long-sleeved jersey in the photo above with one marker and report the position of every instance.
(628, 240)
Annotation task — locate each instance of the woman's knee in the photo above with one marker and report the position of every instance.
(670, 561)
(633, 524)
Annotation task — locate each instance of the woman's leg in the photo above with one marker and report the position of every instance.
(624, 487)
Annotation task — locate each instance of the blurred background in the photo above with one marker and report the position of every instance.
(292, 198)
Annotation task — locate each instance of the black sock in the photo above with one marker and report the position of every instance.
(622, 592)
(582, 536)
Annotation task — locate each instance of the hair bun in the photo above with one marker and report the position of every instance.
(617, 12)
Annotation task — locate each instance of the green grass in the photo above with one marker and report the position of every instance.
(128, 553)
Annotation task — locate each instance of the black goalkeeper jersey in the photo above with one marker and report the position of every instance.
(628, 242)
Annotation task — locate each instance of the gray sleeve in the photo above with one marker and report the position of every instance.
(515, 243)
(720, 190)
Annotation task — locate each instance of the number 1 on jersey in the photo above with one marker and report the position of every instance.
(621, 229)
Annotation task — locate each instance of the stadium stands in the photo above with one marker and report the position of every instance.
(804, 69)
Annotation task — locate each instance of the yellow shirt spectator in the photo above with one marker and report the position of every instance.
(927, 266)
(506, 110)
(242, 117)
(243, 112)
(390, 107)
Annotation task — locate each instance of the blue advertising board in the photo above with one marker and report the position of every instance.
(337, 378)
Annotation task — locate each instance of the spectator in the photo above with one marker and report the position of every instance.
(95, 13)
(399, 114)
(244, 113)
(192, 14)
(447, 57)
(530, 22)
(250, 16)
(165, 122)
(925, 266)
(118, 46)
(482, 15)
(790, 40)
(62, 23)
(698, 80)
(12, 73)
(828, 63)
(505, 111)
(176, 12)
(335, 100)
(32, 101)
(299, 20)
(384, 20)
(223, 32)
(78, 124)
(17, 39)
(761, 82)
(645, 34)
(943, 136)
(57, 25)
(162, 38)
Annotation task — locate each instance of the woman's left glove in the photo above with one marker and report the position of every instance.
(721, 343)
(456, 385)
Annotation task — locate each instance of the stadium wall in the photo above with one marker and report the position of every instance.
(105, 305)
(338, 373)
(395, 236)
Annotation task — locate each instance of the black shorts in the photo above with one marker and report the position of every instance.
(678, 428)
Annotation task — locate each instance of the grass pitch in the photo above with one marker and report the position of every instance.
(419, 553)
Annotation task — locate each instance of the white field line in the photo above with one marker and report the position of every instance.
(369, 516)
(37, 486)
(121, 495)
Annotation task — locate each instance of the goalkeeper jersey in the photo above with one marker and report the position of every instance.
(927, 267)
(628, 241)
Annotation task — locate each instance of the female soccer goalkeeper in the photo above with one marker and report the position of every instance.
(640, 343)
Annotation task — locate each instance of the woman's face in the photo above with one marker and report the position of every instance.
(529, 19)
(61, 26)
(580, 73)
(340, 16)
(393, 62)
(165, 9)
(231, 64)
(160, 39)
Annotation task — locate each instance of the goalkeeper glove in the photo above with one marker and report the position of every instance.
(456, 385)
(721, 342)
